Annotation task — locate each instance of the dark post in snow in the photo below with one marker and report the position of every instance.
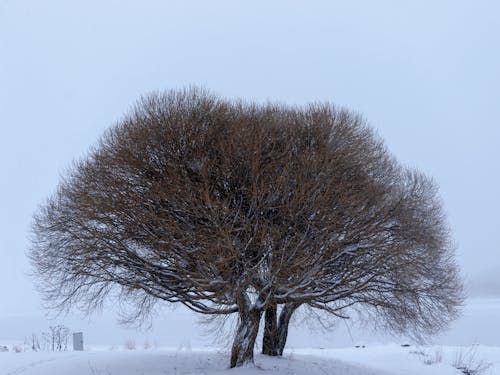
(78, 341)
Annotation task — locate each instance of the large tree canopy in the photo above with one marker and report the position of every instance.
(229, 207)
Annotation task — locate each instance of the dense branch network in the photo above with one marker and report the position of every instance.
(229, 207)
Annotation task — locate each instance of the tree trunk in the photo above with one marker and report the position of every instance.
(276, 333)
(284, 321)
(244, 341)
(270, 337)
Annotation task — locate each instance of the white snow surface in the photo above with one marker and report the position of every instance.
(307, 353)
(376, 360)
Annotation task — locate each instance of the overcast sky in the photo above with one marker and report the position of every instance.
(425, 74)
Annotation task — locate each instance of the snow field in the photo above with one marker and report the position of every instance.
(376, 360)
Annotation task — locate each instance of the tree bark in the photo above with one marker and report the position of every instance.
(270, 337)
(284, 321)
(246, 334)
(276, 332)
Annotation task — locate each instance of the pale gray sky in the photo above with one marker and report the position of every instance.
(426, 74)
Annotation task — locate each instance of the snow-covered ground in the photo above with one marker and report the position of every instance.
(308, 352)
(377, 360)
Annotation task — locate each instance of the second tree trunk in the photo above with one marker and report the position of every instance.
(270, 338)
(276, 332)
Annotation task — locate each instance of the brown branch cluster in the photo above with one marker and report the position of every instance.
(233, 207)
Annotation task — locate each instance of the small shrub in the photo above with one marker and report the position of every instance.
(466, 361)
(436, 357)
(185, 345)
(130, 344)
(95, 371)
(429, 358)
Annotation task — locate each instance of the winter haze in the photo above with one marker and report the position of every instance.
(424, 74)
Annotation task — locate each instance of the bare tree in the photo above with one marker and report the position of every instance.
(56, 339)
(228, 207)
(35, 344)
